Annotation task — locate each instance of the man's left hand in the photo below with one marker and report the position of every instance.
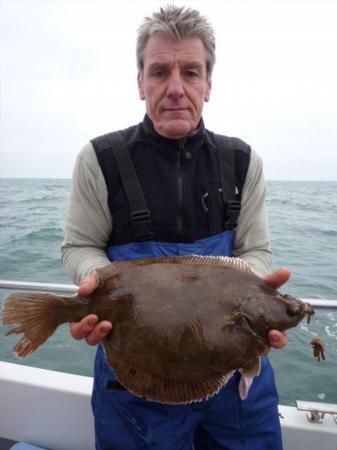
(277, 339)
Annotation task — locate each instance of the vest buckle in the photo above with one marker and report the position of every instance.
(233, 208)
(141, 223)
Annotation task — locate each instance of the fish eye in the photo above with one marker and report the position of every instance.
(293, 309)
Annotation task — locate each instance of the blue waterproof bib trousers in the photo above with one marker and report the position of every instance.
(127, 422)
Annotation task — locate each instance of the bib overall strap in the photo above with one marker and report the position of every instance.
(227, 174)
(140, 214)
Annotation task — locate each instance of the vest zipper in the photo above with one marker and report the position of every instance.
(181, 147)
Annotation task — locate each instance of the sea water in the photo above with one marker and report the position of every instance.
(303, 224)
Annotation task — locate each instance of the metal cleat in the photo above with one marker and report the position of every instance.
(315, 417)
(317, 410)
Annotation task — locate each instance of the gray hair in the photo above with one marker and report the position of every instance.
(178, 23)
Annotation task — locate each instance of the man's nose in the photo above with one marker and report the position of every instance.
(175, 87)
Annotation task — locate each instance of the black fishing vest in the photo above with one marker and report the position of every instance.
(171, 190)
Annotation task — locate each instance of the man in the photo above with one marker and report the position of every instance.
(177, 163)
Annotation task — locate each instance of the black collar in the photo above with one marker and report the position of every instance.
(191, 142)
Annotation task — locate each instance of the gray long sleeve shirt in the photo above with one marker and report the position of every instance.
(89, 222)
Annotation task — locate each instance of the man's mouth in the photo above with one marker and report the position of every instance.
(175, 109)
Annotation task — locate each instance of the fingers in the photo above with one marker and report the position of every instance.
(87, 284)
(278, 278)
(99, 332)
(278, 339)
(82, 329)
(90, 329)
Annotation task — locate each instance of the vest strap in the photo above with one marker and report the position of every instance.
(227, 174)
(140, 214)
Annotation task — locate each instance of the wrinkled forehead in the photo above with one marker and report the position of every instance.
(162, 49)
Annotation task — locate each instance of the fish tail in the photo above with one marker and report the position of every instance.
(37, 315)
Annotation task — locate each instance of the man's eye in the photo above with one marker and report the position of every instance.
(158, 73)
(191, 74)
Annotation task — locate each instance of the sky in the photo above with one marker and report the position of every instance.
(68, 74)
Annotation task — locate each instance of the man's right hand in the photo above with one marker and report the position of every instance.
(89, 328)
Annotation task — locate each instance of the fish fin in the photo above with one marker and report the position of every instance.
(106, 272)
(247, 375)
(225, 261)
(37, 315)
(114, 268)
(232, 321)
(244, 386)
(117, 266)
(235, 263)
(253, 369)
(143, 383)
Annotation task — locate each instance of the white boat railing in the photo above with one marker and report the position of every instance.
(71, 288)
(33, 286)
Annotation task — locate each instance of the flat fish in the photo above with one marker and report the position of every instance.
(181, 325)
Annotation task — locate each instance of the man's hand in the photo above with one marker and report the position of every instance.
(89, 328)
(277, 339)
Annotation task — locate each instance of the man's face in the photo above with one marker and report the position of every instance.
(174, 84)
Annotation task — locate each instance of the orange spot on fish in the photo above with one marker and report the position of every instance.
(189, 278)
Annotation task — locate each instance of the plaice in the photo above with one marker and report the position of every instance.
(181, 325)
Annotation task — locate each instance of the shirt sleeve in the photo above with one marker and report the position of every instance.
(88, 220)
(252, 240)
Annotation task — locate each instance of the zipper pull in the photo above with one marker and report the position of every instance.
(181, 143)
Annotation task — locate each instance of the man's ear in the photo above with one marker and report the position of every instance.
(140, 86)
(208, 90)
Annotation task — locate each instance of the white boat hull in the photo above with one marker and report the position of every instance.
(46, 408)
(52, 409)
